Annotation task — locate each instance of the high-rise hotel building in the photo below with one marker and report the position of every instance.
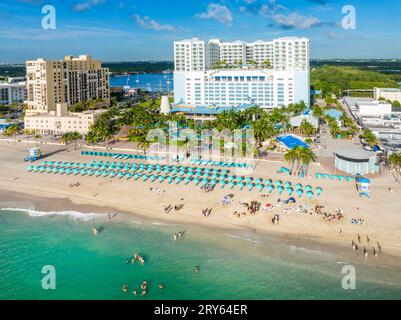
(68, 81)
(267, 73)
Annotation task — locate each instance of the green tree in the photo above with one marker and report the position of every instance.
(394, 161)
(66, 139)
(291, 157)
(11, 131)
(143, 143)
(91, 138)
(307, 128)
(370, 138)
(75, 137)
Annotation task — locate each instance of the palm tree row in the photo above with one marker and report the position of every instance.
(68, 137)
(299, 156)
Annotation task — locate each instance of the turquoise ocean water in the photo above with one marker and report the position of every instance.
(240, 265)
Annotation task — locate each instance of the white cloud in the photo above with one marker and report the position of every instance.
(86, 5)
(296, 21)
(217, 12)
(148, 23)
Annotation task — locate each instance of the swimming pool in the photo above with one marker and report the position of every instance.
(292, 142)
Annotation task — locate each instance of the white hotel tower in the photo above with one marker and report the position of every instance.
(222, 74)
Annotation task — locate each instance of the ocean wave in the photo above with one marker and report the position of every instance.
(75, 215)
(162, 224)
(303, 250)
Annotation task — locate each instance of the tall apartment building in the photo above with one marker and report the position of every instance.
(13, 91)
(281, 81)
(66, 81)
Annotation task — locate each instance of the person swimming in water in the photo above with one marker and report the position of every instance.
(125, 288)
(197, 269)
(161, 286)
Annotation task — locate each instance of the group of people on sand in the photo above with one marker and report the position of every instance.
(355, 246)
(359, 221)
(177, 207)
(327, 216)
(206, 212)
(75, 185)
(253, 208)
(156, 190)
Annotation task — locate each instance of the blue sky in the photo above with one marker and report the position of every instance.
(127, 30)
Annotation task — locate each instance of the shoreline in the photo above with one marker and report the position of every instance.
(135, 199)
(47, 204)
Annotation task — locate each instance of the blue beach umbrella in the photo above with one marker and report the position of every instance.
(290, 191)
(319, 191)
(309, 194)
(308, 188)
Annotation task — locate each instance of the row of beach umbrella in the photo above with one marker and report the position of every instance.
(220, 164)
(327, 176)
(120, 155)
(250, 184)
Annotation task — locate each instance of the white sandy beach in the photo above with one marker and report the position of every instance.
(381, 212)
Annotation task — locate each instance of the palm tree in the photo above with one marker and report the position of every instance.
(91, 138)
(306, 128)
(11, 131)
(37, 137)
(66, 139)
(75, 136)
(306, 157)
(143, 143)
(317, 112)
(394, 161)
(266, 64)
(334, 128)
(291, 157)
(370, 138)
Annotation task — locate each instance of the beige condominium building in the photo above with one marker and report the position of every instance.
(68, 81)
(54, 86)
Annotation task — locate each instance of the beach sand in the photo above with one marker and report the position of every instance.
(49, 192)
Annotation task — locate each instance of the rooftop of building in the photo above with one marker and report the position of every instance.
(395, 90)
(355, 154)
(333, 113)
(240, 41)
(70, 114)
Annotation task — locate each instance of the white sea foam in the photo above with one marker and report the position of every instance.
(319, 253)
(75, 215)
(162, 224)
(232, 236)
